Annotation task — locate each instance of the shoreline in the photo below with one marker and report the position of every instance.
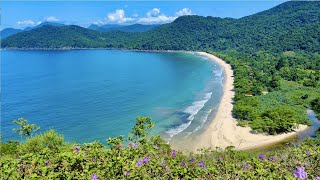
(74, 48)
(223, 130)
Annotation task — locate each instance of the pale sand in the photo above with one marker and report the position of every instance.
(223, 130)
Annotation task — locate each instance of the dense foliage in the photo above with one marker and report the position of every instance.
(48, 156)
(274, 85)
(290, 26)
(123, 28)
(274, 55)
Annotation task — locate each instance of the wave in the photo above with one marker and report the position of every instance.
(217, 73)
(178, 129)
(192, 111)
(203, 121)
(196, 106)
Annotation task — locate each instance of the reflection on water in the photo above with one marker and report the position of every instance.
(311, 131)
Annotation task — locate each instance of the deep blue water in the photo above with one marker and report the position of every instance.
(93, 94)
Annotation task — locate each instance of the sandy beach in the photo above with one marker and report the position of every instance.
(223, 130)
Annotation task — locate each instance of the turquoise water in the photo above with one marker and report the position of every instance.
(91, 95)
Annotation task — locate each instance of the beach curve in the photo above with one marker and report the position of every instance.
(223, 130)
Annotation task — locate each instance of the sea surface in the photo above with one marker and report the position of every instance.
(91, 95)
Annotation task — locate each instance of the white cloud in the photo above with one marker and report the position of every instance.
(51, 19)
(156, 20)
(118, 17)
(26, 23)
(153, 16)
(99, 22)
(184, 12)
(153, 13)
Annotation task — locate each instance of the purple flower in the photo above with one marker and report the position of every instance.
(167, 169)
(220, 158)
(162, 163)
(139, 162)
(308, 152)
(47, 163)
(94, 176)
(174, 153)
(261, 156)
(127, 173)
(77, 148)
(283, 158)
(272, 158)
(183, 164)
(191, 160)
(133, 145)
(145, 160)
(21, 165)
(246, 166)
(201, 163)
(300, 173)
(316, 178)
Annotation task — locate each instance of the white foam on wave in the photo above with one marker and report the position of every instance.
(179, 129)
(217, 73)
(203, 121)
(192, 110)
(196, 106)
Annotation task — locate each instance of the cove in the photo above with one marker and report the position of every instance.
(89, 95)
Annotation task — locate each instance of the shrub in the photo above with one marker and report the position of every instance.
(50, 141)
(152, 158)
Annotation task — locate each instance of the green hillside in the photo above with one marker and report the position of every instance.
(123, 28)
(289, 26)
(49, 156)
(267, 51)
(276, 62)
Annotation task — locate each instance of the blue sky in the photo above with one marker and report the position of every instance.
(22, 14)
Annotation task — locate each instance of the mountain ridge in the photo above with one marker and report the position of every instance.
(267, 30)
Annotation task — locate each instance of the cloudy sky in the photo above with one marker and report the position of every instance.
(22, 14)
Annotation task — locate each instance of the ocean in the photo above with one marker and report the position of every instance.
(89, 95)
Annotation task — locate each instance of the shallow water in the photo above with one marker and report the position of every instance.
(93, 94)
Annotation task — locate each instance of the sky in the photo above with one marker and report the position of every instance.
(22, 14)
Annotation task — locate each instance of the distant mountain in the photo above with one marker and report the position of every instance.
(9, 31)
(123, 28)
(43, 24)
(104, 28)
(69, 36)
(290, 26)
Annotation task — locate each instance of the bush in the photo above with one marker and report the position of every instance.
(151, 158)
(8, 148)
(50, 141)
(276, 121)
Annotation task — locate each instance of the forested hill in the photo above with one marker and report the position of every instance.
(274, 55)
(289, 26)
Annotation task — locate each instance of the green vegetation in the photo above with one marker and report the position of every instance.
(274, 55)
(290, 26)
(48, 156)
(271, 94)
(276, 62)
(123, 28)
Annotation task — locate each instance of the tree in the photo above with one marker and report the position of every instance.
(141, 128)
(280, 120)
(25, 129)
